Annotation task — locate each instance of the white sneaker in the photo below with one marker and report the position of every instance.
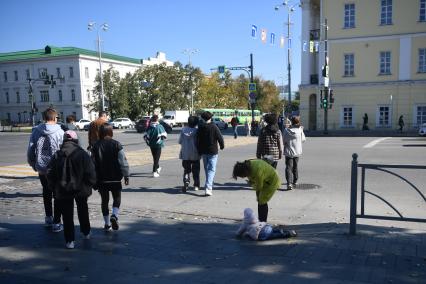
(56, 228)
(159, 170)
(70, 245)
(156, 175)
(209, 192)
(196, 188)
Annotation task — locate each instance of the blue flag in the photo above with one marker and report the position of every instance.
(272, 39)
(253, 31)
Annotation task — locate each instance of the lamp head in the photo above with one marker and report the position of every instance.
(105, 26)
(90, 25)
(277, 8)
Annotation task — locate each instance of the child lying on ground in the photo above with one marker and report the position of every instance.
(261, 231)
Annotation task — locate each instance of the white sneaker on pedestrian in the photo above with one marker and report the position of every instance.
(70, 245)
(196, 188)
(56, 228)
(156, 175)
(209, 192)
(159, 170)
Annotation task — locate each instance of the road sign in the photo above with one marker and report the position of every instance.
(221, 69)
(252, 87)
(252, 96)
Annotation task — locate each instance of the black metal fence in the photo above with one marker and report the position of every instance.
(354, 192)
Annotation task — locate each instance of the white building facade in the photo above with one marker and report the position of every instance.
(78, 68)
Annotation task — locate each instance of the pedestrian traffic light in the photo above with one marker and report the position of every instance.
(324, 103)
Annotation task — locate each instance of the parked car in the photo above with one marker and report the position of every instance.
(220, 123)
(143, 124)
(81, 123)
(123, 122)
(422, 130)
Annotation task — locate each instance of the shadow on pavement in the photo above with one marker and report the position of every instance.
(18, 194)
(184, 248)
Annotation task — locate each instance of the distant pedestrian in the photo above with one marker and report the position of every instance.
(45, 140)
(263, 178)
(71, 176)
(234, 123)
(365, 122)
(154, 137)
(293, 139)
(93, 133)
(401, 123)
(270, 142)
(208, 138)
(111, 166)
(261, 231)
(189, 154)
(70, 122)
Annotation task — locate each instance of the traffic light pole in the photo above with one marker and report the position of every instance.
(326, 78)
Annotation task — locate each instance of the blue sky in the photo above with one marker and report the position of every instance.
(220, 30)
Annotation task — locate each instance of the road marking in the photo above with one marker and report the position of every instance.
(375, 142)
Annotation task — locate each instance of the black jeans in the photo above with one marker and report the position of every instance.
(67, 208)
(104, 190)
(156, 154)
(194, 167)
(47, 200)
(262, 211)
(291, 172)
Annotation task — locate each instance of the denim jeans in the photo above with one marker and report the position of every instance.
(209, 162)
(270, 233)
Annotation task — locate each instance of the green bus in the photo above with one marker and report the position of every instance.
(226, 114)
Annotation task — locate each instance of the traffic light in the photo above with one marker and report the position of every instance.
(324, 103)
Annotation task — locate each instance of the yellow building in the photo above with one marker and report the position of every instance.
(377, 63)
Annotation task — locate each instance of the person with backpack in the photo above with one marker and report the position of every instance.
(269, 143)
(189, 154)
(154, 137)
(45, 140)
(234, 123)
(111, 166)
(72, 175)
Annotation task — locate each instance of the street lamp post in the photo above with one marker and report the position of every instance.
(91, 26)
(290, 8)
(189, 52)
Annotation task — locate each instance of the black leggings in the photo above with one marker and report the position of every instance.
(262, 211)
(48, 195)
(67, 206)
(156, 154)
(115, 189)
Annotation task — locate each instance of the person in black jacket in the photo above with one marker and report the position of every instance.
(72, 175)
(208, 137)
(270, 143)
(111, 166)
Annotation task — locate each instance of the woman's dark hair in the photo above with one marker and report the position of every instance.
(206, 115)
(154, 118)
(192, 121)
(271, 118)
(241, 169)
(105, 130)
(295, 120)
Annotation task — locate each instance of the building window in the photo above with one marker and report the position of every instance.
(44, 95)
(5, 76)
(386, 12)
(19, 117)
(18, 98)
(86, 72)
(422, 60)
(385, 63)
(60, 95)
(42, 73)
(349, 65)
(422, 17)
(72, 95)
(27, 73)
(8, 116)
(349, 16)
(383, 119)
(347, 117)
(71, 72)
(420, 115)
(15, 73)
(75, 114)
(58, 72)
(88, 94)
(7, 97)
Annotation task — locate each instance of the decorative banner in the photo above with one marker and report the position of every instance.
(282, 41)
(263, 35)
(272, 39)
(316, 46)
(253, 31)
(311, 46)
(305, 45)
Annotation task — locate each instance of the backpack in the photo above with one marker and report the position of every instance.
(68, 181)
(151, 137)
(43, 153)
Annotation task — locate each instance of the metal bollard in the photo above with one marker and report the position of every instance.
(354, 185)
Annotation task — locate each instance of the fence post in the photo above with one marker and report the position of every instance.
(354, 185)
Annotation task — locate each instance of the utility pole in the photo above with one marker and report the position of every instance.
(252, 101)
(325, 99)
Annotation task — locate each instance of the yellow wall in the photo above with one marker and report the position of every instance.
(405, 18)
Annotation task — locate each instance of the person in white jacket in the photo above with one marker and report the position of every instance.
(293, 139)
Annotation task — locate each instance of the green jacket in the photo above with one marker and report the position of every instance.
(264, 179)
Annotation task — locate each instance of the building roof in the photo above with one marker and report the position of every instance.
(52, 51)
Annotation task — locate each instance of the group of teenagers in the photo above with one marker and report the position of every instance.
(68, 172)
